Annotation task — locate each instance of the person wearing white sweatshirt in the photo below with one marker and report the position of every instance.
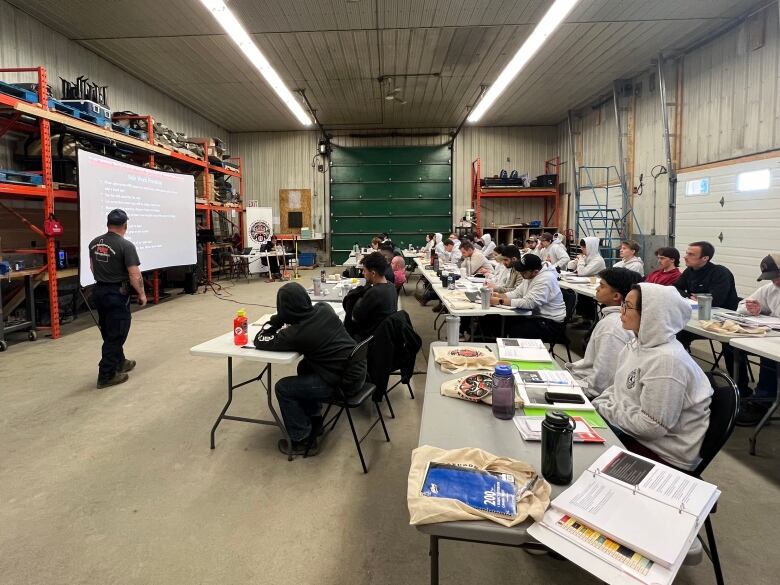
(538, 292)
(659, 404)
(430, 242)
(438, 245)
(595, 372)
(474, 261)
(589, 262)
(628, 257)
(488, 246)
(451, 254)
(505, 277)
(553, 252)
(765, 301)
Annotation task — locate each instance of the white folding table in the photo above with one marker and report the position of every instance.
(223, 347)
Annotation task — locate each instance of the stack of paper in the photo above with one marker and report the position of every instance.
(527, 350)
(530, 428)
(627, 519)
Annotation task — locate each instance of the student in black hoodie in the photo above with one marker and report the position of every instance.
(317, 333)
(367, 306)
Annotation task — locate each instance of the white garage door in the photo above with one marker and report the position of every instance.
(736, 208)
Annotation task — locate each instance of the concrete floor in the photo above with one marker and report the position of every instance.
(120, 487)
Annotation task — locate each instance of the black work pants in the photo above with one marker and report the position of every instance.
(113, 309)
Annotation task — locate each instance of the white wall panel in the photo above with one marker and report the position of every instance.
(25, 42)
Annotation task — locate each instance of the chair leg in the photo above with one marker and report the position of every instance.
(382, 420)
(389, 406)
(568, 352)
(357, 443)
(411, 392)
(713, 551)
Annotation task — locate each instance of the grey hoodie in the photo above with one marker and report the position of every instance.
(541, 294)
(596, 370)
(556, 255)
(592, 263)
(660, 395)
(636, 264)
(469, 266)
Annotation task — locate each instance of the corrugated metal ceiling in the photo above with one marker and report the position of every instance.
(336, 50)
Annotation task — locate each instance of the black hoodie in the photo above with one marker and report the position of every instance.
(317, 333)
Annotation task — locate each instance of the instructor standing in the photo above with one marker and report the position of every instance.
(115, 266)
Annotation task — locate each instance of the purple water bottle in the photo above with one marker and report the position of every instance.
(503, 392)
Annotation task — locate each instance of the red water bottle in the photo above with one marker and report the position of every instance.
(240, 328)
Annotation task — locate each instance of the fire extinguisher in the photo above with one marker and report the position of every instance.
(52, 227)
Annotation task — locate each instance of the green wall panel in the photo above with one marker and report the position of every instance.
(405, 191)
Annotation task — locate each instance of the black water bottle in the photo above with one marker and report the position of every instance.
(557, 440)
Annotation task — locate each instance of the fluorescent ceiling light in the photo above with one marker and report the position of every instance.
(236, 31)
(555, 15)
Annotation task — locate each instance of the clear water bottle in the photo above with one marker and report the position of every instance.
(450, 282)
(557, 442)
(503, 392)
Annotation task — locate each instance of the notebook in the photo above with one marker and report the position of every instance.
(529, 350)
(482, 490)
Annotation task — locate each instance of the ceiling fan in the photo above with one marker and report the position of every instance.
(394, 94)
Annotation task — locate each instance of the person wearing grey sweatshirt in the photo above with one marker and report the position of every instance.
(474, 261)
(553, 252)
(589, 262)
(595, 372)
(539, 293)
(628, 257)
(764, 301)
(659, 403)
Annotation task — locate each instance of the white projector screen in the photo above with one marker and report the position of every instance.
(161, 208)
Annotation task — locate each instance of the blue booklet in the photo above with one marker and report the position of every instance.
(482, 490)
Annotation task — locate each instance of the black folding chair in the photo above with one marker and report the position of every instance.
(347, 403)
(724, 409)
(570, 300)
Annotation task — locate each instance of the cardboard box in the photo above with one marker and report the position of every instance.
(200, 185)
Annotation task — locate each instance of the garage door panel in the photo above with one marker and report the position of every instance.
(393, 156)
(390, 174)
(390, 191)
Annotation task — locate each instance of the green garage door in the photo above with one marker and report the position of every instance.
(404, 191)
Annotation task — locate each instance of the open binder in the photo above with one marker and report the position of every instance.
(627, 518)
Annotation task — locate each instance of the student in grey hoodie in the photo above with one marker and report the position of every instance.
(596, 370)
(540, 293)
(659, 403)
(553, 251)
(628, 257)
(589, 262)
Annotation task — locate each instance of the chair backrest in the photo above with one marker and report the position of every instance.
(570, 300)
(723, 416)
(359, 352)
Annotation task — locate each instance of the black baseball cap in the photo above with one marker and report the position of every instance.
(769, 267)
(528, 263)
(117, 217)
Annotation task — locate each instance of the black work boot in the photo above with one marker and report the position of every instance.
(119, 378)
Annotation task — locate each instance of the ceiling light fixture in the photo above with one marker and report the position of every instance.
(555, 15)
(236, 31)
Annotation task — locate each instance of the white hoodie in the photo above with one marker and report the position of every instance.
(596, 370)
(438, 245)
(592, 263)
(450, 257)
(636, 264)
(660, 395)
(489, 246)
(769, 297)
(541, 294)
(556, 255)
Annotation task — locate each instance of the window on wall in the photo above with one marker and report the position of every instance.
(697, 187)
(754, 180)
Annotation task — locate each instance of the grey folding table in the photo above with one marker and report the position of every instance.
(449, 423)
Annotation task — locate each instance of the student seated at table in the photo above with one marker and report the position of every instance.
(317, 333)
(430, 241)
(667, 272)
(702, 276)
(455, 240)
(659, 404)
(451, 253)
(488, 246)
(474, 261)
(589, 261)
(552, 252)
(388, 253)
(596, 370)
(273, 262)
(764, 301)
(628, 257)
(375, 243)
(367, 306)
(399, 271)
(506, 278)
(539, 293)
